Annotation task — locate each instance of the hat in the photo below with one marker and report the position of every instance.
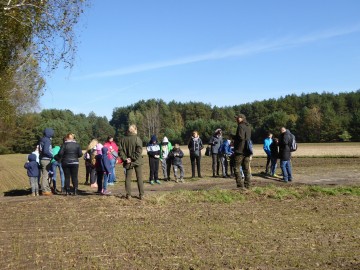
(240, 115)
(165, 140)
(99, 146)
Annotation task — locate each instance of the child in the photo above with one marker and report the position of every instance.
(32, 168)
(176, 156)
(103, 169)
(274, 148)
(153, 151)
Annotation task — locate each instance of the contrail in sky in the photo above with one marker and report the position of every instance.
(238, 51)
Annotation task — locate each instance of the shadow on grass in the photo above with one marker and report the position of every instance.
(17, 192)
(265, 176)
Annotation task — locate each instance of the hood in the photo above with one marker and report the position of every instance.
(32, 157)
(49, 132)
(99, 146)
(153, 139)
(165, 140)
(104, 150)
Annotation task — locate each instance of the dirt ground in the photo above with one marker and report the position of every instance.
(200, 224)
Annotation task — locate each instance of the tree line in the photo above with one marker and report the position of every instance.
(311, 117)
(314, 117)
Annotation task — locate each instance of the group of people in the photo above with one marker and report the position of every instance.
(279, 149)
(100, 160)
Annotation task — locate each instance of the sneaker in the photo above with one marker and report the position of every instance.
(176, 181)
(95, 185)
(110, 184)
(33, 194)
(182, 180)
(128, 197)
(141, 197)
(105, 192)
(47, 193)
(157, 182)
(36, 193)
(152, 182)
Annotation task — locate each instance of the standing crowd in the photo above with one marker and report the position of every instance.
(232, 155)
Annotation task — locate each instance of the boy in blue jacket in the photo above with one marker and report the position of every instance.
(32, 168)
(103, 169)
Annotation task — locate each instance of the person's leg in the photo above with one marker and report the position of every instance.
(192, 160)
(175, 169)
(247, 171)
(111, 177)
(100, 176)
(289, 170)
(140, 182)
(62, 177)
(44, 171)
(152, 168)
(105, 183)
(156, 169)
(181, 167)
(92, 175)
(268, 159)
(198, 164)
(222, 163)
(67, 177)
(33, 182)
(218, 164)
(238, 178)
(168, 168)
(214, 164)
(87, 168)
(128, 182)
(283, 164)
(164, 169)
(74, 177)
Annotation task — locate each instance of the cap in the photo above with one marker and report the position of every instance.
(240, 115)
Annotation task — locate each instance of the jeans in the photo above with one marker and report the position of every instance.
(286, 170)
(111, 177)
(224, 165)
(62, 177)
(34, 184)
(273, 166)
(106, 180)
(71, 171)
(154, 168)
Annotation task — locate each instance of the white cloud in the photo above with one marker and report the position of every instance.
(238, 51)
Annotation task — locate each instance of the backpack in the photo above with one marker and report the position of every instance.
(293, 144)
(248, 148)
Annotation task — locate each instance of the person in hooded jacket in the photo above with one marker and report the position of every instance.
(242, 157)
(285, 154)
(215, 143)
(165, 149)
(32, 168)
(195, 146)
(45, 156)
(113, 153)
(153, 151)
(103, 169)
(69, 153)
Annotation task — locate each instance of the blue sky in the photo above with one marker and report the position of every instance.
(221, 53)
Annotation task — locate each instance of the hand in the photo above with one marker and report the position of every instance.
(128, 160)
(156, 156)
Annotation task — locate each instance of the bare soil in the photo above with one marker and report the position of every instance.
(168, 231)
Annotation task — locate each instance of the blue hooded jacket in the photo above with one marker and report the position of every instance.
(153, 148)
(32, 166)
(103, 162)
(45, 147)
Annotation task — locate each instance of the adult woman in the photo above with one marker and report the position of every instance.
(195, 146)
(70, 152)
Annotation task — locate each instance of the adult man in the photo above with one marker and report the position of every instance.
(45, 150)
(131, 154)
(242, 157)
(267, 142)
(285, 154)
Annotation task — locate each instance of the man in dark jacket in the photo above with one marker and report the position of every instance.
(131, 154)
(45, 150)
(285, 154)
(242, 158)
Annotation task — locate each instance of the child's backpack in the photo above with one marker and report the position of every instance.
(293, 144)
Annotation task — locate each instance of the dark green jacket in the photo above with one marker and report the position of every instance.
(131, 147)
(243, 132)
